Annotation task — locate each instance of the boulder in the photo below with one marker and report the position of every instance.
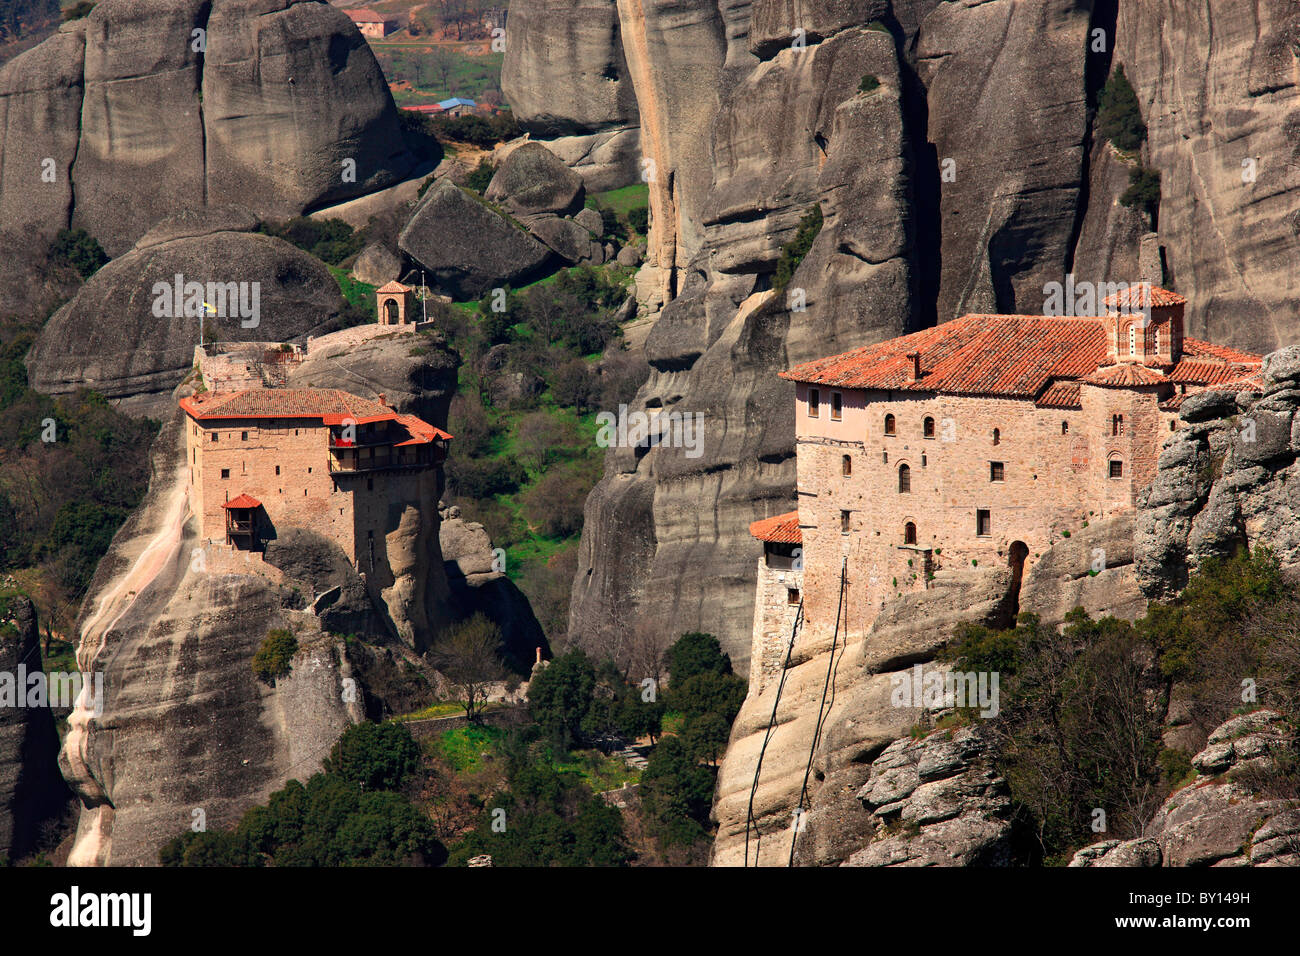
(202, 221)
(533, 180)
(376, 265)
(111, 338)
(630, 256)
(590, 220)
(90, 98)
(566, 238)
(467, 247)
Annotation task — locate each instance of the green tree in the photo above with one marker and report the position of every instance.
(79, 250)
(273, 658)
(697, 653)
(374, 756)
(467, 656)
(792, 252)
(1119, 118)
(560, 696)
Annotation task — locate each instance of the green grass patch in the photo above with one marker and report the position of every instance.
(358, 294)
(464, 747)
(622, 200)
(600, 772)
(440, 708)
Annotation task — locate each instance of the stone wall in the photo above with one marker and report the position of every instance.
(1055, 476)
(355, 336)
(774, 616)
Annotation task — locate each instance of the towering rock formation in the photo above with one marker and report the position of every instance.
(145, 107)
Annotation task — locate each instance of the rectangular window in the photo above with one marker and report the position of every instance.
(791, 595)
(214, 436)
(277, 469)
(844, 522)
(983, 523)
(1117, 469)
(814, 403)
(837, 406)
(995, 471)
(225, 472)
(243, 436)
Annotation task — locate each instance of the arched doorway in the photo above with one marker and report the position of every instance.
(392, 315)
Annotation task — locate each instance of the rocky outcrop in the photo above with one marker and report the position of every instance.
(937, 802)
(479, 585)
(377, 265)
(1092, 569)
(1219, 819)
(467, 246)
(187, 731)
(1228, 477)
(31, 790)
(111, 337)
(231, 76)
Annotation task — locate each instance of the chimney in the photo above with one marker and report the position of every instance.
(539, 655)
(916, 365)
(383, 399)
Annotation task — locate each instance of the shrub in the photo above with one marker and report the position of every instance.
(1119, 118)
(869, 83)
(330, 240)
(482, 175)
(79, 250)
(638, 218)
(485, 478)
(697, 653)
(792, 252)
(560, 697)
(273, 658)
(79, 10)
(374, 756)
(1143, 190)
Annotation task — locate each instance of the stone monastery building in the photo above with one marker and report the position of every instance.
(971, 444)
(323, 459)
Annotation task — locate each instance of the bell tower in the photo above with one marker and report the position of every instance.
(392, 302)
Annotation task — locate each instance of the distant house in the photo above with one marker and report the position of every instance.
(371, 24)
(457, 106)
(432, 108)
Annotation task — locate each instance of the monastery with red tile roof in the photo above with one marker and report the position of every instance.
(976, 443)
(263, 459)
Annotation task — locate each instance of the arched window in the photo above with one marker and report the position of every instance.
(1065, 428)
(1117, 424)
(1132, 340)
(909, 533)
(1116, 468)
(1157, 340)
(904, 480)
(846, 465)
(997, 436)
(889, 424)
(927, 427)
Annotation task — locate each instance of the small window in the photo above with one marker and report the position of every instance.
(214, 436)
(846, 465)
(304, 492)
(997, 436)
(837, 406)
(1065, 428)
(889, 424)
(995, 471)
(225, 472)
(814, 402)
(904, 480)
(1173, 425)
(309, 469)
(243, 436)
(927, 428)
(844, 522)
(791, 595)
(983, 522)
(1132, 340)
(1117, 424)
(1157, 340)
(884, 456)
(277, 469)
(370, 484)
(1116, 468)
(909, 533)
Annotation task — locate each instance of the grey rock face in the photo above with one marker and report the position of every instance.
(533, 180)
(1228, 478)
(1216, 821)
(203, 221)
(31, 790)
(109, 338)
(139, 123)
(1067, 575)
(565, 237)
(935, 802)
(377, 265)
(1214, 217)
(466, 246)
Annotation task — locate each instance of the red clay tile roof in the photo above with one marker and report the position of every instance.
(1060, 395)
(781, 529)
(1253, 382)
(243, 501)
(1016, 356)
(1127, 375)
(331, 406)
(1135, 297)
(394, 286)
(364, 16)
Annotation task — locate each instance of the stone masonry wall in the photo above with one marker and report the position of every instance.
(774, 617)
(1055, 475)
